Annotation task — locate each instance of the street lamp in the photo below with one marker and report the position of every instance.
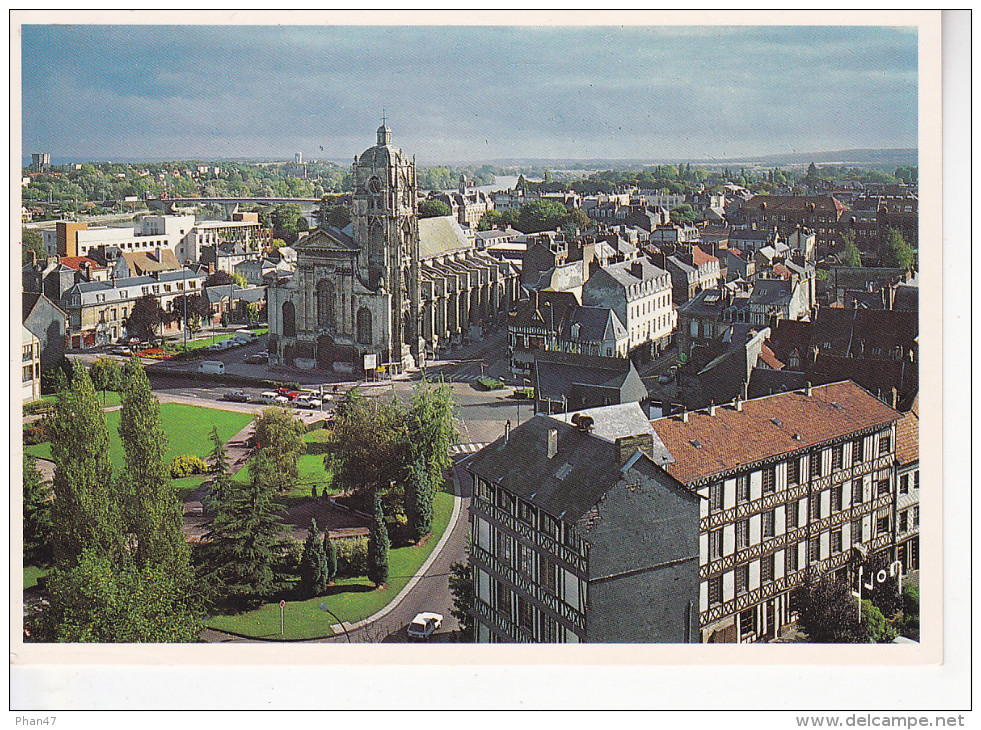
(323, 607)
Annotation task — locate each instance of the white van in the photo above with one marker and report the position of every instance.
(212, 367)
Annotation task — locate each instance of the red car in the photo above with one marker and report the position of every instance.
(291, 394)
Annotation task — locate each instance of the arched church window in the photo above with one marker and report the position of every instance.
(325, 304)
(364, 326)
(289, 319)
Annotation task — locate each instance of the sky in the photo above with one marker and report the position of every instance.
(464, 93)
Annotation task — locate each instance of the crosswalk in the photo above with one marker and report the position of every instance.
(458, 449)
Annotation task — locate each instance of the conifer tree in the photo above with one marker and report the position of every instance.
(153, 511)
(243, 542)
(37, 515)
(313, 574)
(218, 462)
(378, 543)
(85, 512)
(419, 501)
(330, 561)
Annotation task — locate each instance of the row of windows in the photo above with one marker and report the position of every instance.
(530, 515)
(793, 517)
(795, 467)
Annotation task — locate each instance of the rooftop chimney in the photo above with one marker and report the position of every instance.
(628, 445)
(712, 409)
(808, 389)
(684, 416)
(637, 268)
(737, 403)
(553, 442)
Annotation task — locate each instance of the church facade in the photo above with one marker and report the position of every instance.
(390, 289)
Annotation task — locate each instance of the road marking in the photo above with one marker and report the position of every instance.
(466, 448)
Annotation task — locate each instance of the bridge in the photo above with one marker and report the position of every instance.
(232, 205)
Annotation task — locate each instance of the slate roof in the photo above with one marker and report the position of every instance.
(439, 235)
(561, 278)
(568, 374)
(908, 439)
(595, 324)
(327, 238)
(623, 274)
(767, 427)
(588, 462)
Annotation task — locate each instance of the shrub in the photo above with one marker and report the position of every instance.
(35, 434)
(186, 465)
(490, 383)
(524, 393)
(352, 556)
(874, 625)
(36, 407)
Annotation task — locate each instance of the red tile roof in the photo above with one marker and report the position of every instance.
(767, 427)
(908, 439)
(700, 258)
(767, 356)
(74, 262)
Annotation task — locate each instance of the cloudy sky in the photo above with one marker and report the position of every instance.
(465, 93)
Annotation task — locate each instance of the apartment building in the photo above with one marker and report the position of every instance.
(150, 233)
(577, 535)
(789, 483)
(639, 293)
(97, 310)
(604, 526)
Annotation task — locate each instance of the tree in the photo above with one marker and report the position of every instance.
(541, 215)
(85, 511)
(428, 437)
(330, 558)
(32, 243)
(313, 574)
(826, 609)
(896, 252)
(106, 375)
(220, 278)
(368, 450)
(812, 176)
(37, 515)
(279, 435)
(242, 546)
(155, 515)
(197, 309)
(432, 208)
(684, 214)
(850, 255)
(489, 220)
(285, 221)
(378, 544)
(419, 501)
(875, 628)
(144, 318)
(99, 599)
(218, 463)
(461, 588)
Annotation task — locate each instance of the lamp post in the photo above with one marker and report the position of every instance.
(184, 285)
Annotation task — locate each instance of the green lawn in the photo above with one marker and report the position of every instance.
(188, 430)
(31, 575)
(312, 470)
(351, 599)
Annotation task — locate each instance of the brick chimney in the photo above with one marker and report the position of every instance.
(637, 268)
(627, 445)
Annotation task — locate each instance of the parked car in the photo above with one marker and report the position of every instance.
(424, 625)
(237, 396)
(213, 367)
(257, 359)
(271, 398)
(287, 393)
(124, 351)
(307, 401)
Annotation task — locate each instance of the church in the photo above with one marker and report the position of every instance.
(390, 289)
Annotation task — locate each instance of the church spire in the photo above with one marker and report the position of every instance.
(384, 133)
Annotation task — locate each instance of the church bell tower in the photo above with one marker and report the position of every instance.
(385, 227)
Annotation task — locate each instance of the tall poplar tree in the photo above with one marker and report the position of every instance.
(85, 512)
(37, 515)
(330, 557)
(313, 574)
(154, 514)
(419, 499)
